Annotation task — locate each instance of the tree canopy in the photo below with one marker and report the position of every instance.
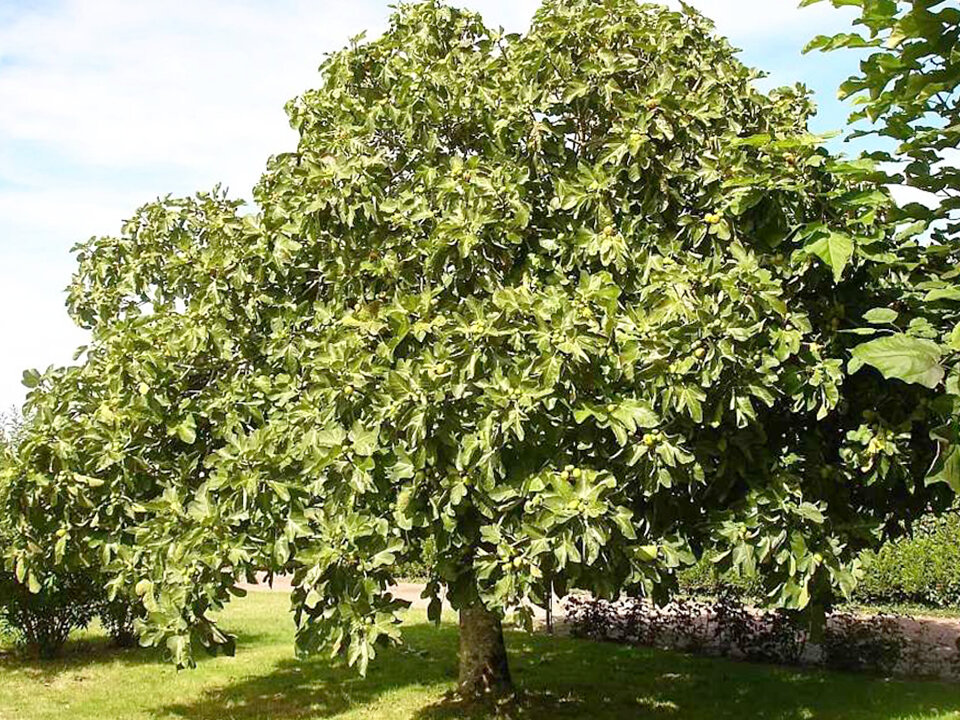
(573, 306)
(907, 98)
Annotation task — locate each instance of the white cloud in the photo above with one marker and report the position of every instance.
(106, 104)
(197, 84)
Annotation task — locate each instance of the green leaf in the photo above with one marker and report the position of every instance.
(758, 140)
(913, 360)
(31, 378)
(811, 512)
(364, 439)
(647, 553)
(187, 430)
(330, 437)
(313, 599)
(581, 414)
(179, 648)
(952, 383)
(880, 316)
(575, 89)
(835, 249)
(635, 414)
(947, 470)
(949, 293)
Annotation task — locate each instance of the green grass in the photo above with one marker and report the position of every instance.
(559, 678)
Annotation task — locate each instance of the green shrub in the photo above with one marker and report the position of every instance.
(419, 567)
(920, 570)
(118, 618)
(41, 622)
(703, 579)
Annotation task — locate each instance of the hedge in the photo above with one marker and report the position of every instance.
(921, 570)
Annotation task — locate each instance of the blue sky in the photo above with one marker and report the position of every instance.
(108, 104)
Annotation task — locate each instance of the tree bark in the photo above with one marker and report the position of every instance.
(483, 655)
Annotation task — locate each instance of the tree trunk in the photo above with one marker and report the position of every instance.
(483, 655)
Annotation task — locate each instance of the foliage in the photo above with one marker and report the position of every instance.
(874, 643)
(119, 617)
(42, 618)
(704, 580)
(40, 612)
(568, 305)
(907, 92)
(726, 626)
(920, 570)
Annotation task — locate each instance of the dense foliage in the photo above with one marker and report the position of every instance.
(40, 614)
(907, 94)
(42, 618)
(567, 306)
(921, 570)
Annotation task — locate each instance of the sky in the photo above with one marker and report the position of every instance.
(108, 104)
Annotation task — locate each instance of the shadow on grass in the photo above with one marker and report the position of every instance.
(314, 688)
(78, 653)
(96, 649)
(566, 678)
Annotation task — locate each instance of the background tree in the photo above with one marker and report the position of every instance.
(907, 94)
(569, 305)
(11, 425)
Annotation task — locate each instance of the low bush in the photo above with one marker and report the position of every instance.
(874, 643)
(921, 570)
(726, 626)
(118, 618)
(704, 580)
(761, 635)
(41, 622)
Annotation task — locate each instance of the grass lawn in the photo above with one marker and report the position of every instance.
(559, 677)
